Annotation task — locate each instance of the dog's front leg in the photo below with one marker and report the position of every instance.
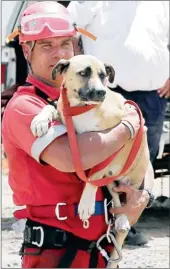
(122, 226)
(120, 237)
(86, 206)
(121, 223)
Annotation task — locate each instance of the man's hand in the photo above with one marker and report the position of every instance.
(136, 201)
(165, 90)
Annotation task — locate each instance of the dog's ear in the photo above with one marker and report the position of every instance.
(60, 67)
(110, 72)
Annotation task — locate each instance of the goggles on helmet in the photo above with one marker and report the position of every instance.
(35, 23)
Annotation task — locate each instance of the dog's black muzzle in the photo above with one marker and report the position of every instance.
(92, 94)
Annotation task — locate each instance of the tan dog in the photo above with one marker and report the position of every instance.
(85, 78)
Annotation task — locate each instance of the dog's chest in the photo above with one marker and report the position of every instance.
(86, 122)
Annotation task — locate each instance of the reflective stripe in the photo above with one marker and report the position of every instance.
(42, 142)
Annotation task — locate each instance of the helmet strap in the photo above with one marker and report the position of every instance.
(32, 44)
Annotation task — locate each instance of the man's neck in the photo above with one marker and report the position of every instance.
(49, 83)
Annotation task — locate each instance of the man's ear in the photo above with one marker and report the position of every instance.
(60, 67)
(110, 72)
(26, 50)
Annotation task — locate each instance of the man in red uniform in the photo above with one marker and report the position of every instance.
(41, 172)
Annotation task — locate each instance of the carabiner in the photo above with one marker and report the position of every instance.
(106, 215)
(117, 249)
(108, 231)
(104, 253)
(102, 250)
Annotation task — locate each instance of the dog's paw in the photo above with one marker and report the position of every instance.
(86, 206)
(40, 123)
(86, 209)
(122, 224)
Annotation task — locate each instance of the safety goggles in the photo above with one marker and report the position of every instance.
(35, 23)
(60, 25)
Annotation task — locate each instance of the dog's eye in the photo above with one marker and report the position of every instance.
(82, 73)
(102, 76)
(85, 72)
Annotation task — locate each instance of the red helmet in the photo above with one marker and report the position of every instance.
(44, 20)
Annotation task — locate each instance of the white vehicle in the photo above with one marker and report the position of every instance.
(10, 14)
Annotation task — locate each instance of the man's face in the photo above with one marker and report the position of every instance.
(46, 53)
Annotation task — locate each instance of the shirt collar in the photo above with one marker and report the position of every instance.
(51, 91)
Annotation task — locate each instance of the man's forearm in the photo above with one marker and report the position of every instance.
(94, 148)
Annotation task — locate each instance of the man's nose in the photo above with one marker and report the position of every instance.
(58, 53)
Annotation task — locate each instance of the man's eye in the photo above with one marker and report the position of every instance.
(47, 46)
(66, 44)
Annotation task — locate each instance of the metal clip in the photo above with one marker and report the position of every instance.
(106, 215)
(39, 244)
(108, 231)
(58, 213)
(112, 238)
(104, 253)
(102, 250)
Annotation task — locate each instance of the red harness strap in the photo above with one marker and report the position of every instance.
(68, 112)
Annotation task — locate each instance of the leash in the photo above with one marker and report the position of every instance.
(68, 113)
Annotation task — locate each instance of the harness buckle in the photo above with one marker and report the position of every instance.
(61, 237)
(41, 240)
(58, 213)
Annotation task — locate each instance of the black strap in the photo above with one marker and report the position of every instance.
(68, 257)
(93, 258)
(43, 95)
(55, 238)
(70, 254)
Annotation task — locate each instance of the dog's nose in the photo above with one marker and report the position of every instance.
(92, 94)
(100, 93)
(96, 95)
